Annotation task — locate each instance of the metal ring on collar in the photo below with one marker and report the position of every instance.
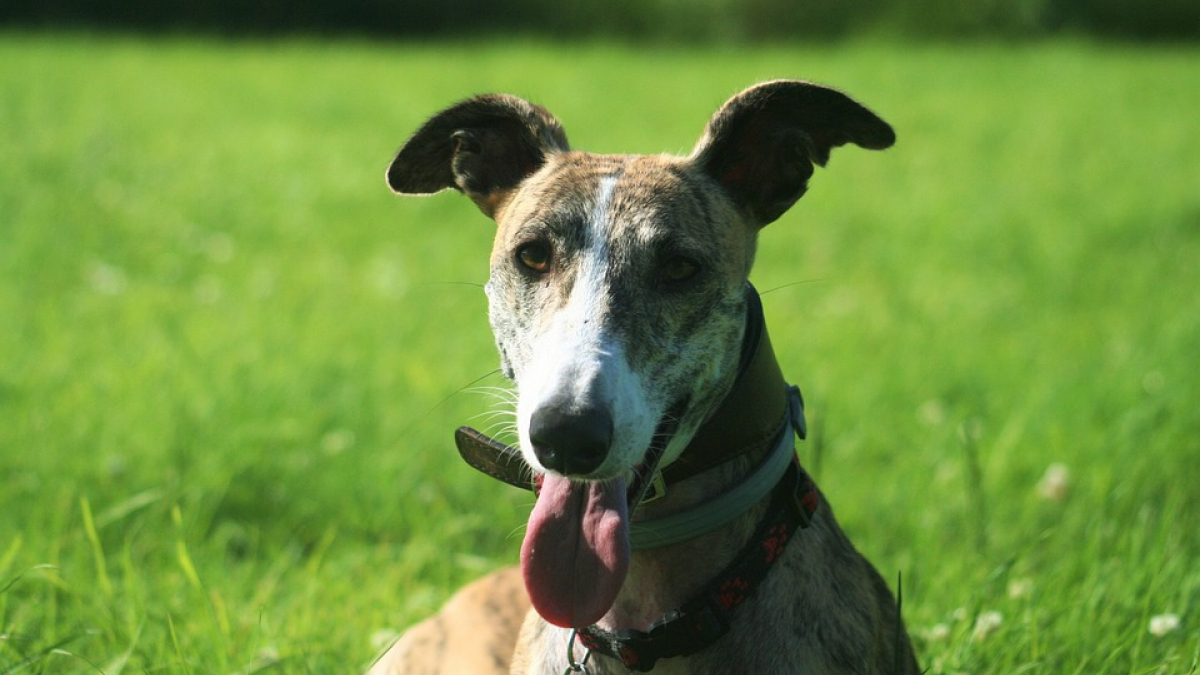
(714, 513)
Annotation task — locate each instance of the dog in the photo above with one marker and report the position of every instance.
(673, 532)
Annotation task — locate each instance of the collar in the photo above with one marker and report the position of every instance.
(750, 417)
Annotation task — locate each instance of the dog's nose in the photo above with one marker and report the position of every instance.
(573, 443)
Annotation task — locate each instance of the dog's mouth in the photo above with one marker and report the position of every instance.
(576, 550)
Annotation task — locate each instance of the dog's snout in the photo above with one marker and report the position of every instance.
(571, 442)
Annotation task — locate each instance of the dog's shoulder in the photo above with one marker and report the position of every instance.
(475, 631)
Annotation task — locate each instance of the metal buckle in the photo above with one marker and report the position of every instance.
(574, 666)
(796, 411)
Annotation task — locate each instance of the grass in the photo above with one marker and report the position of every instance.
(232, 361)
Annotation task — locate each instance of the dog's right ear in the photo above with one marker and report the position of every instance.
(484, 147)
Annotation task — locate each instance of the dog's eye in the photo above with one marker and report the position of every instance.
(535, 256)
(678, 269)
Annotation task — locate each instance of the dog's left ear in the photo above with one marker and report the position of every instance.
(483, 147)
(762, 144)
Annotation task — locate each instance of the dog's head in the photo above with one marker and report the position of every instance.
(617, 288)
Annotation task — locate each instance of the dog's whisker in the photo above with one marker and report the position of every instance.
(803, 282)
(502, 407)
(494, 418)
(491, 389)
(472, 284)
(497, 394)
(501, 431)
(518, 532)
(489, 415)
(466, 387)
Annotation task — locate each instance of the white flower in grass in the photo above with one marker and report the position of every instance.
(220, 247)
(937, 632)
(986, 624)
(1020, 588)
(1164, 623)
(208, 290)
(106, 279)
(337, 441)
(1152, 382)
(932, 412)
(1055, 482)
(383, 639)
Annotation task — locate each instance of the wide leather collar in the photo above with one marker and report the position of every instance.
(749, 418)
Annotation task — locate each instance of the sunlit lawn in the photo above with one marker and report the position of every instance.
(231, 361)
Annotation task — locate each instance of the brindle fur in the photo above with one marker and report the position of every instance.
(606, 331)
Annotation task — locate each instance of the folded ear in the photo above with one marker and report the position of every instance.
(762, 144)
(483, 147)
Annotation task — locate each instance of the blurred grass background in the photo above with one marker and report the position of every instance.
(231, 361)
(680, 21)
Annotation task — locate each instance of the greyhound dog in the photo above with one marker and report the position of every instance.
(674, 530)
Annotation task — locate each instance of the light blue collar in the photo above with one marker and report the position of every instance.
(722, 509)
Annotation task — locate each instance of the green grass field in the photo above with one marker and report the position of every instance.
(231, 361)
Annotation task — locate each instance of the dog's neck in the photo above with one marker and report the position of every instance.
(752, 411)
(743, 431)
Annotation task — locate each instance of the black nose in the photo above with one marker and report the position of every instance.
(571, 442)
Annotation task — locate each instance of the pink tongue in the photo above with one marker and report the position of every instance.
(576, 550)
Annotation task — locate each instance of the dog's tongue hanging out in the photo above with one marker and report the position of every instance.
(576, 550)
